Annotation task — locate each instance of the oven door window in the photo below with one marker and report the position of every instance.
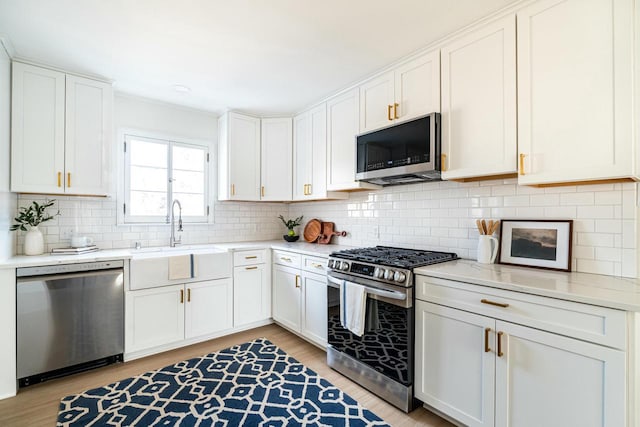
(386, 345)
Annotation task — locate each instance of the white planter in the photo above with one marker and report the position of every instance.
(33, 242)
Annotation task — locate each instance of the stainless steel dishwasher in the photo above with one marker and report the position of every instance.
(69, 318)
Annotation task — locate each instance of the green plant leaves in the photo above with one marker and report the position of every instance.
(33, 215)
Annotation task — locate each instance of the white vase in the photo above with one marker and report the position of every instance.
(33, 242)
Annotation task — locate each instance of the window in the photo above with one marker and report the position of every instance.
(157, 172)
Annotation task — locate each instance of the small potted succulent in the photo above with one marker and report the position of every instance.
(32, 216)
(290, 223)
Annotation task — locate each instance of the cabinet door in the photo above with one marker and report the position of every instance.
(543, 379)
(342, 128)
(314, 318)
(318, 185)
(208, 307)
(155, 317)
(575, 90)
(89, 108)
(286, 296)
(37, 130)
(302, 155)
(251, 295)
(377, 103)
(243, 148)
(276, 163)
(417, 87)
(455, 373)
(479, 102)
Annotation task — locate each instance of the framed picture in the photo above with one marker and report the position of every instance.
(536, 243)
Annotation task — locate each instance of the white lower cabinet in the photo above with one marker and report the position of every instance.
(484, 372)
(251, 296)
(300, 295)
(166, 315)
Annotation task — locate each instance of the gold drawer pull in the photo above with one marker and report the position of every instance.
(68, 179)
(395, 110)
(251, 268)
(233, 189)
(297, 281)
(262, 191)
(181, 296)
(189, 295)
(497, 304)
(522, 156)
(389, 107)
(316, 265)
(487, 349)
(59, 179)
(443, 162)
(285, 259)
(500, 353)
(251, 257)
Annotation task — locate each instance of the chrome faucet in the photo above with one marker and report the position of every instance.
(172, 240)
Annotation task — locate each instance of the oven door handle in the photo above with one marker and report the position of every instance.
(335, 283)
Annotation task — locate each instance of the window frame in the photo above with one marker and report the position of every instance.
(124, 190)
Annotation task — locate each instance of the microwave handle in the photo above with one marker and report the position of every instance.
(335, 283)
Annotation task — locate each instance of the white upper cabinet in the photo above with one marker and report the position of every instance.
(575, 92)
(61, 132)
(238, 157)
(409, 91)
(310, 156)
(479, 102)
(342, 129)
(276, 159)
(87, 157)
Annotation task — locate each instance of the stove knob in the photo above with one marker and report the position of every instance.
(388, 274)
(378, 273)
(399, 276)
(344, 266)
(330, 263)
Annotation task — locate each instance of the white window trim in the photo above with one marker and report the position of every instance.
(121, 194)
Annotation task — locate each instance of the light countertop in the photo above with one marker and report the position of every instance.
(110, 254)
(607, 291)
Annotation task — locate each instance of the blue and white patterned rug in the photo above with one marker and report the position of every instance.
(251, 384)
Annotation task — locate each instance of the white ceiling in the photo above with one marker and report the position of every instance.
(263, 56)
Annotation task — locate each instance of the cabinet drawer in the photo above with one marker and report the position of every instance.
(583, 321)
(241, 258)
(287, 258)
(314, 264)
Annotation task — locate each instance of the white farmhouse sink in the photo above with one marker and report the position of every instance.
(150, 266)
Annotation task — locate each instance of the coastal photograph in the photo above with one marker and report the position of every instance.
(536, 243)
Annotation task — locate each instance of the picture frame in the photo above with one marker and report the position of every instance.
(541, 243)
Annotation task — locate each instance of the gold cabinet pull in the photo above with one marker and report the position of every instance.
(251, 257)
(297, 281)
(181, 296)
(308, 189)
(251, 268)
(189, 295)
(285, 259)
(522, 156)
(395, 110)
(262, 191)
(500, 353)
(443, 162)
(389, 107)
(68, 179)
(59, 179)
(316, 265)
(487, 349)
(497, 304)
(233, 189)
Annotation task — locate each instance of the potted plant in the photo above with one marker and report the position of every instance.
(32, 216)
(290, 223)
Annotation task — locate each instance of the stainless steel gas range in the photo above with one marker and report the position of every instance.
(382, 359)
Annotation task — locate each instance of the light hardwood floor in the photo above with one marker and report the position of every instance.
(37, 405)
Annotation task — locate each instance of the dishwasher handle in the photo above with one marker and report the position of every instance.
(48, 277)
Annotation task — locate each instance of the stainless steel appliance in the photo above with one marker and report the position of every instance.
(382, 358)
(400, 154)
(69, 318)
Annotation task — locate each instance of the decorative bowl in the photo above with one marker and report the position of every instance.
(290, 238)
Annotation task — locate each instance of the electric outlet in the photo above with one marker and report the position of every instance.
(374, 232)
(67, 233)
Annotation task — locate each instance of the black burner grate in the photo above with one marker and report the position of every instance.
(395, 257)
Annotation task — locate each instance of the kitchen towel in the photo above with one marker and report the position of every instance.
(353, 303)
(181, 267)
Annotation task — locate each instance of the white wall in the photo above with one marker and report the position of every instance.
(96, 217)
(442, 215)
(8, 201)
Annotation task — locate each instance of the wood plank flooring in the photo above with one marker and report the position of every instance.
(37, 405)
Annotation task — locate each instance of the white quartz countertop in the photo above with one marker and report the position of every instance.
(110, 254)
(607, 291)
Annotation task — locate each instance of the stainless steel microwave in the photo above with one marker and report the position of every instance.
(400, 154)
